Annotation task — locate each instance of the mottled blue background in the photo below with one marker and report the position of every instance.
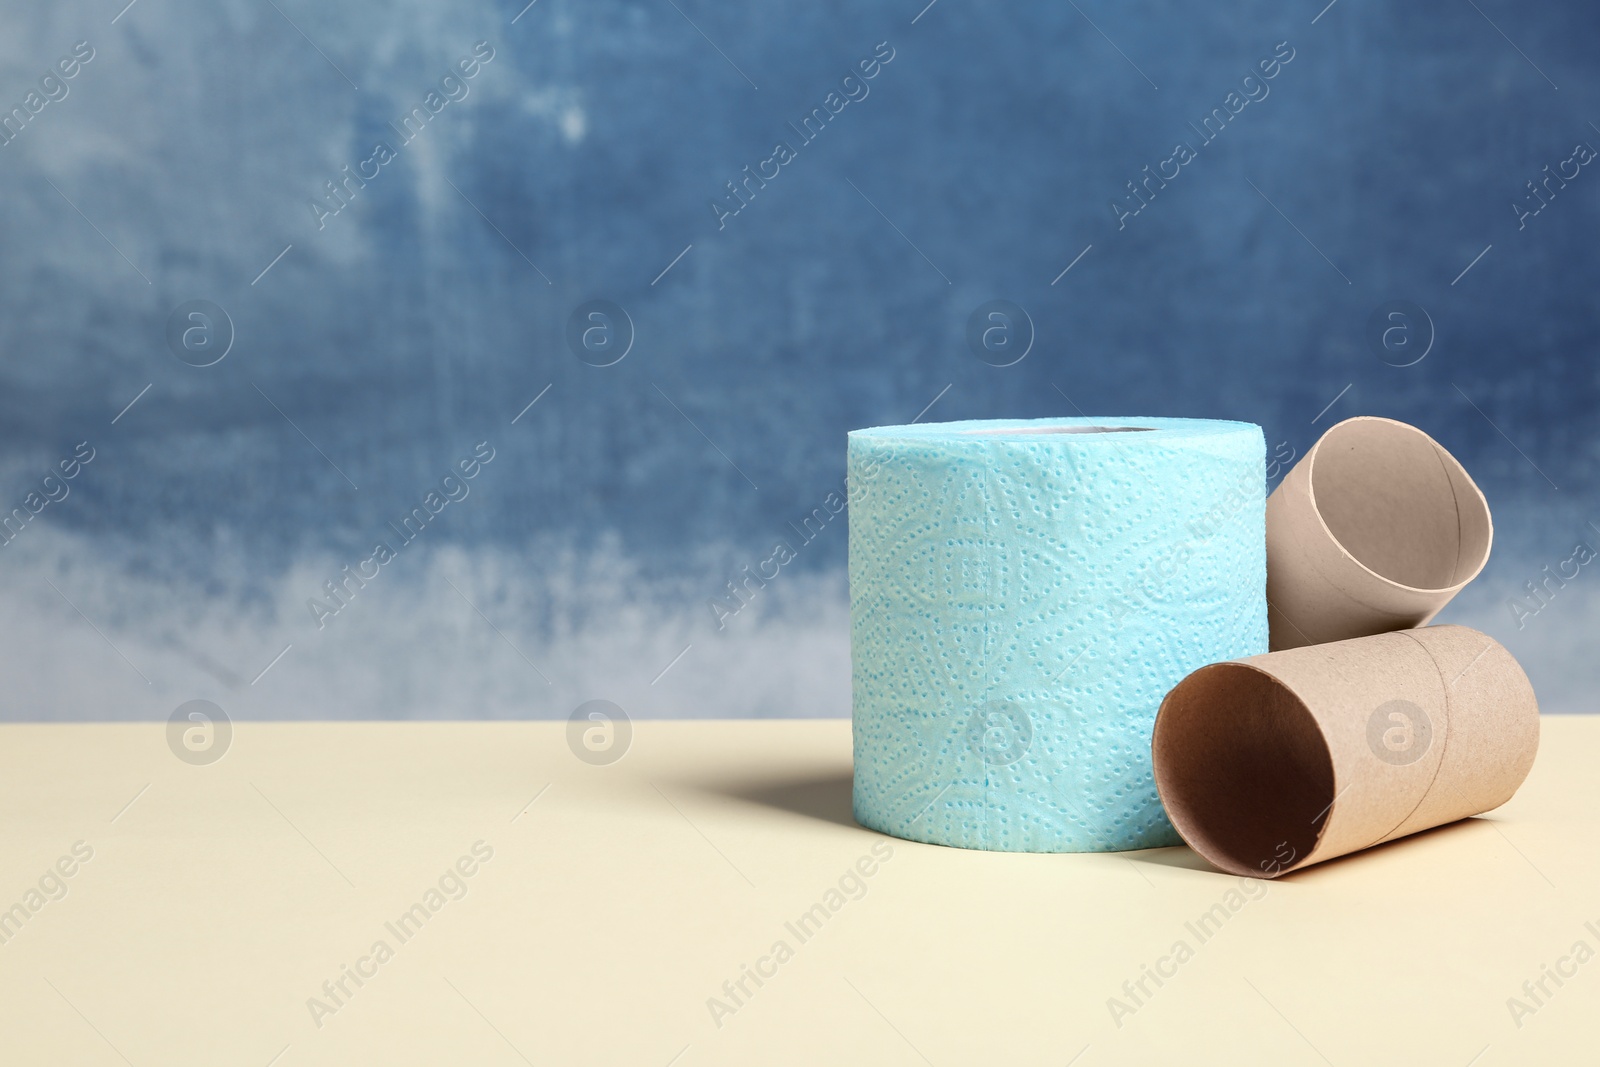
(425, 316)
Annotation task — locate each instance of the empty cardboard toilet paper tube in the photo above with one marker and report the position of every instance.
(1375, 529)
(1022, 595)
(1275, 762)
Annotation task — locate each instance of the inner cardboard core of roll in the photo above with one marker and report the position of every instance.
(1400, 504)
(1242, 769)
(1061, 429)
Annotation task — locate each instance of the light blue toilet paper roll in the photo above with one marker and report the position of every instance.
(1023, 594)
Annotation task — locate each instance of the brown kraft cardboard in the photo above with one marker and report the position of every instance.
(1375, 529)
(1275, 762)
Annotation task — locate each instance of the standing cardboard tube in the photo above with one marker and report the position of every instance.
(1375, 529)
(1275, 762)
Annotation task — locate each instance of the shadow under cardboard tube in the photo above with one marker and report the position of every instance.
(1187, 858)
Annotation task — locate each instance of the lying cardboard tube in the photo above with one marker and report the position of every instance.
(1275, 762)
(1375, 529)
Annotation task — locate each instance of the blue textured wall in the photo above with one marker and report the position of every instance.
(583, 160)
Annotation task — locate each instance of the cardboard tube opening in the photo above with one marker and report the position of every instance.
(1243, 769)
(1400, 505)
(1024, 430)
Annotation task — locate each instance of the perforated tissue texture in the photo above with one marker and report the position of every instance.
(1020, 604)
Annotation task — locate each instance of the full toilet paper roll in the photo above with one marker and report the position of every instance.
(1023, 594)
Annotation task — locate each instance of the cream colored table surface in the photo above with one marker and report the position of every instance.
(218, 900)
